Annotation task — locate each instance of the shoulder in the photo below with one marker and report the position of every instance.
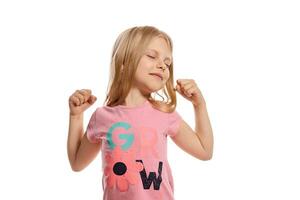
(105, 114)
(98, 113)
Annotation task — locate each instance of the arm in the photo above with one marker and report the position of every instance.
(198, 143)
(80, 151)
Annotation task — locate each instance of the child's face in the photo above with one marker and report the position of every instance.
(156, 59)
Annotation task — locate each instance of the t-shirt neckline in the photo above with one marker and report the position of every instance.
(144, 104)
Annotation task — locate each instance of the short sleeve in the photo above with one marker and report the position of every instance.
(92, 131)
(174, 120)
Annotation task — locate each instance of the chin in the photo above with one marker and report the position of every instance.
(155, 88)
(150, 86)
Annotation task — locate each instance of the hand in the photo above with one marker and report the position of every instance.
(81, 100)
(189, 90)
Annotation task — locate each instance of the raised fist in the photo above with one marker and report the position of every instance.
(81, 100)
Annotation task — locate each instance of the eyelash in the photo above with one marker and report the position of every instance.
(150, 56)
(154, 57)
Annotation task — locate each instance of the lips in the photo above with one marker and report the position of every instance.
(157, 74)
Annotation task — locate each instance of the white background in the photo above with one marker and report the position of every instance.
(244, 55)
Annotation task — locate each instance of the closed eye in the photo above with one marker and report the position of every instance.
(168, 65)
(150, 56)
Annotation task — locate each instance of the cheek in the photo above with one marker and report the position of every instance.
(144, 67)
(145, 64)
(141, 72)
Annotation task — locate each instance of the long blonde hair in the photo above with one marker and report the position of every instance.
(127, 52)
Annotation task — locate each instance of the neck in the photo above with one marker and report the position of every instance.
(135, 98)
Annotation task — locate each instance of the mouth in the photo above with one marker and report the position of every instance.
(157, 75)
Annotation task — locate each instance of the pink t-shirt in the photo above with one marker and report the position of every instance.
(134, 151)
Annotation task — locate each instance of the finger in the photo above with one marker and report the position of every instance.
(80, 97)
(178, 88)
(187, 93)
(184, 81)
(92, 99)
(74, 100)
(89, 102)
(181, 81)
(182, 91)
(85, 93)
(191, 91)
(87, 90)
(188, 85)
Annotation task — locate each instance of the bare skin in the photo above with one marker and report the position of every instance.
(80, 151)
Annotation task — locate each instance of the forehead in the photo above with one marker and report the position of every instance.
(159, 45)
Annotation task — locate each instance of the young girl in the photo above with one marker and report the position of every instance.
(131, 129)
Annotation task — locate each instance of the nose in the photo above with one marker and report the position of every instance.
(163, 68)
(161, 65)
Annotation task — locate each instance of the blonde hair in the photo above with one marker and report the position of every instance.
(127, 52)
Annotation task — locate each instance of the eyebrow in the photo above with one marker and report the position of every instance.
(167, 58)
